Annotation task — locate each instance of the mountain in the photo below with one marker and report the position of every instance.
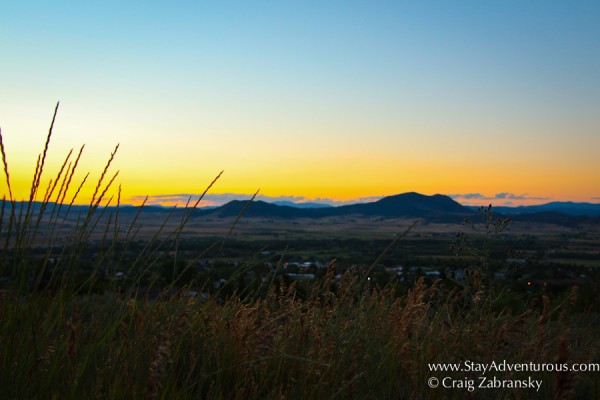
(413, 205)
(564, 207)
(436, 208)
(257, 208)
(410, 205)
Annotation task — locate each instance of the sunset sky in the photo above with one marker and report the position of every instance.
(488, 101)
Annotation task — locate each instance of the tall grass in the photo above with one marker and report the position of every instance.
(59, 338)
(331, 345)
(49, 222)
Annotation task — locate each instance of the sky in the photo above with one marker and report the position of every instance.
(341, 101)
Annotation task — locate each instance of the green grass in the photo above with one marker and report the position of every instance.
(61, 337)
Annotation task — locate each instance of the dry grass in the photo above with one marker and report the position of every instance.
(335, 344)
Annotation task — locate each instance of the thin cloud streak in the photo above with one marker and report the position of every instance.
(502, 198)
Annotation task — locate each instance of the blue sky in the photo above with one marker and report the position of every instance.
(314, 99)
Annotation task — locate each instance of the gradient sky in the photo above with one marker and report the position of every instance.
(490, 101)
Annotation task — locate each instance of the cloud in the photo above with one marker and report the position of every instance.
(497, 196)
(524, 196)
(345, 202)
(502, 198)
(470, 196)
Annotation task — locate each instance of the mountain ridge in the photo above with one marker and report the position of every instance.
(437, 208)
(415, 205)
(575, 209)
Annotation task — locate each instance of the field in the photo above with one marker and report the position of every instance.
(342, 238)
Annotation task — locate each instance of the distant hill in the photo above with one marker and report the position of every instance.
(258, 208)
(409, 205)
(413, 205)
(436, 208)
(564, 207)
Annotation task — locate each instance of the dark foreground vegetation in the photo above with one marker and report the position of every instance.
(92, 312)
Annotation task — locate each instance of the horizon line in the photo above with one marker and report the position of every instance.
(503, 199)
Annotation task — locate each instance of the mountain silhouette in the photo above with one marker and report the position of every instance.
(257, 208)
(409, 205)
(413, 205)
(564, 207)
(436, 208)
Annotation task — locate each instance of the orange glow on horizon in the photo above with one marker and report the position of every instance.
(355, 185)
(339, 172)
